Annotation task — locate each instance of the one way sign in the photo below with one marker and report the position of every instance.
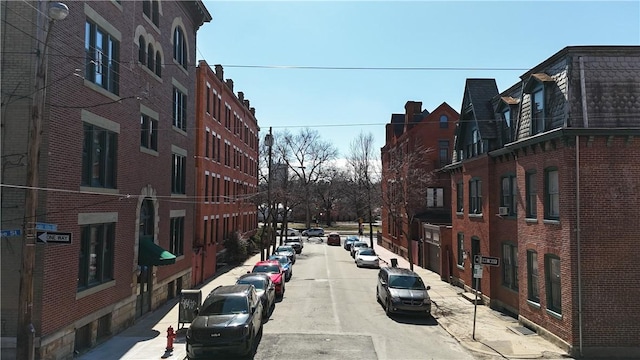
(54, 237)
(486, 260)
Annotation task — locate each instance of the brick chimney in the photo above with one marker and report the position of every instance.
(253, 111)
(230, 84)
(246, 103)
(411, 108)
(219, 72)
(241, 96)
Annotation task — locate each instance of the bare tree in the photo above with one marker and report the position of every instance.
(329, 190)
(308, 155)
(406, 177)
(361, 161)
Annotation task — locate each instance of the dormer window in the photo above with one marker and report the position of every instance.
(506, 115)
(537, 110)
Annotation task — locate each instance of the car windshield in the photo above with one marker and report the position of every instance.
(284, 248)
(282, 259)
(266, 269)
(258, 283)
(359, 244)
(406, 282)
(226, 305)
(367, 251)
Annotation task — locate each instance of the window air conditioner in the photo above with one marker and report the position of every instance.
(503, 211)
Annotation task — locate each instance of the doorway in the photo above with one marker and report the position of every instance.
(147, 226)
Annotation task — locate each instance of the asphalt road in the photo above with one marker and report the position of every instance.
(329, 311)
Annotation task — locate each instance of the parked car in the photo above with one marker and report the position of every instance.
(286, 264)
(333, 239)
(402, 290)
(289, 232)
(367, 257)
(229, 320)
(350, 240)
(275, 271)
(265, 288)
(295, 243)
(287, 250)
(357, 245)
(313, 232)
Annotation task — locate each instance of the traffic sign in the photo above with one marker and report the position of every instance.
(477, 259)
(54, 237)
(491, 261)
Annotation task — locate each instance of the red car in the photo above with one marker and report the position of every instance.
(275, 271)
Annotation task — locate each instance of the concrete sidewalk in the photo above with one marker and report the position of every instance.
(496, 334)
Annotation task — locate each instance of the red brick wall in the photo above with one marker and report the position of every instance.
(135, 169)
(239, 204)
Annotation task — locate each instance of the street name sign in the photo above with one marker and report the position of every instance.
(54, 237)
(46, 227)
(8, 233)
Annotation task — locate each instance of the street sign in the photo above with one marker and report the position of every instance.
(491, 261)
(477, 259)
(477, 271)
(54, 237)
(46, 227)
(8, 233)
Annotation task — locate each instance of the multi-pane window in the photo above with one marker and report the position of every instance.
(208, 99)
(213, 147)
(444, 121)
(508, 192)
(206, 144)
(99, 157)
(178, 174)
(532, 194)
(151, 8)
(460, 249)
(532, 276)
(142, 55)
(148, 132)
(158, 64)
(102, 58)
(459, 197)
(475, 196)
(206, 187)
(227, 154)
(552, 277)
(176, 246)
(443, 152)
(510, 266)
(179, 109)
(180, 47)
(435, 197)
(96, 255)
(552, 195)
(150, 57)
(537, 110)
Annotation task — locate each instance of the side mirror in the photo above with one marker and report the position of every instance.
(248, 272)
(253, 309)
(428, 287)
(196, 312)
(383, 283)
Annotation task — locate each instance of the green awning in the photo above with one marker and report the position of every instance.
(151, 254)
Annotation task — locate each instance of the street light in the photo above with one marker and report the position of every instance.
(26, 331)
(268, 141)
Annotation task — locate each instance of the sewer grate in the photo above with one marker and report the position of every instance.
(523, 330)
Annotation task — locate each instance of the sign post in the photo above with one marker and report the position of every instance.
(478, 262)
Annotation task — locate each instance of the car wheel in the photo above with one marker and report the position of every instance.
(387, 308)
(378, 296)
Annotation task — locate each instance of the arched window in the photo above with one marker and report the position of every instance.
(158, 64)
(147, 218)
(180, 47)
(142, 56)
(150, 58)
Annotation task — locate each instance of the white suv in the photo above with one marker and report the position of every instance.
(313, 232)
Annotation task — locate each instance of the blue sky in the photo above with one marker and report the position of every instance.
(450, 40)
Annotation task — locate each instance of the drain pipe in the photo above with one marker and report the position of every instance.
(585, 123)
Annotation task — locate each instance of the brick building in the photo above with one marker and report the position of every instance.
(545, 178)
(116, 166)
(226, 169)
(433, 132)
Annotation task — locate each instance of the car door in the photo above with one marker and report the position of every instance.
(382, 290)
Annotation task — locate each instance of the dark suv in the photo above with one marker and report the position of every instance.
(229, 320)
(402, 290)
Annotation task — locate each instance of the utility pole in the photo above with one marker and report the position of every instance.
(26, 331)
